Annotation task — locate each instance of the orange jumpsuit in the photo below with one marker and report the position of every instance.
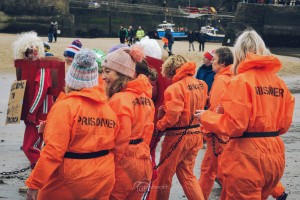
(79, 122)
(209, 166)
(135, 111)
(256, 103)
(181, 99)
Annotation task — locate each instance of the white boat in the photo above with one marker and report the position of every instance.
(178, 32)
(211, 34)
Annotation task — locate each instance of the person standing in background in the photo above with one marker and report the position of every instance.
(191, 39)
(205, 71)
(131, 35)
(122, 34)
(201, 40)
(170, 38)
(50, 32)
(55, 31)
(140, 33)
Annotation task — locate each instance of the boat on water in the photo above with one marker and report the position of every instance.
(211, 34)
(178, 32)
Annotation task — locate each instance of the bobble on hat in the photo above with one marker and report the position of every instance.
(209, 55)
(83, 72)
(73, 48)
(124, 60)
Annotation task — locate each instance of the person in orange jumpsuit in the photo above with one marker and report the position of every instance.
(258, 107)
(77, 161)
(181, 100)
(153, 54)
(221, 63)
(130, 98)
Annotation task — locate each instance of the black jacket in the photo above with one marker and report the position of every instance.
(202, 38)
(191, 37)
(169, 35)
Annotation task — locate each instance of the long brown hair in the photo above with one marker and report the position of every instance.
(118, 85)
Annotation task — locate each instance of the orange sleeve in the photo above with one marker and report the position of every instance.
(173, 106)
(288, 115)
(123, 137)
(237, 111)
(57, 137)
(124, 115)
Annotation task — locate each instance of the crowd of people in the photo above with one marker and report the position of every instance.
(130, 36)
(102, 130)
(276, 2)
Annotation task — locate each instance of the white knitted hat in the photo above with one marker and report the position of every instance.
(83, 72)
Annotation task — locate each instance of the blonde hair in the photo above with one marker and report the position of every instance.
(248, 41)
(25, 41)
(69, 89)
(172, 64)
(118, 85)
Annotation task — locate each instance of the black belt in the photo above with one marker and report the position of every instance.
(86, 155)
(137, 141)
(182, 128)
(258, 134)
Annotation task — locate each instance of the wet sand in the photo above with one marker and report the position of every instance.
(11, 136)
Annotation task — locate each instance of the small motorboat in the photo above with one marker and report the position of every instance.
(178, 32)
(211, 34)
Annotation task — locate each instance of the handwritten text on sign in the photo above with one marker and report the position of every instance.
(15, 102)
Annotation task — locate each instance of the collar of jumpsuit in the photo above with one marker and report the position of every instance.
(266, 63)
(139, 85)
(187, 69)
(93, 94)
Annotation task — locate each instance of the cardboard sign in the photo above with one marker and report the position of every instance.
(15, 102)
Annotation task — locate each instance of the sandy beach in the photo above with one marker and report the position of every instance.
(11, 136)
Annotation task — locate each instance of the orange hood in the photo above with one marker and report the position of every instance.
(187, 69)
(254, 61)
(139, 85)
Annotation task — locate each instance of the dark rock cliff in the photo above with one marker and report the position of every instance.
(279, 25)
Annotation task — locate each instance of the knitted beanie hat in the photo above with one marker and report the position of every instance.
(124, 60)
(73, 48)
(83, 72)
(116, 47)
(209, 55)
(46, 46)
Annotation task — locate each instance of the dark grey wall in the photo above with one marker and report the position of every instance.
(278, 25)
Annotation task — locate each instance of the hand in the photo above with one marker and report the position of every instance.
(42, 126)
(198, 113)
(31, 194)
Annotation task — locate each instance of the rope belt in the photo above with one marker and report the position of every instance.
(182, 128)
(97, 154)
(137, 141)
(259, 134)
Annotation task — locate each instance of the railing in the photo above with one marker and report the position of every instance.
(138, 8)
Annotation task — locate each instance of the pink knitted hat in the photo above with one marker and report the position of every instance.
(124, 60)
(83, 72)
